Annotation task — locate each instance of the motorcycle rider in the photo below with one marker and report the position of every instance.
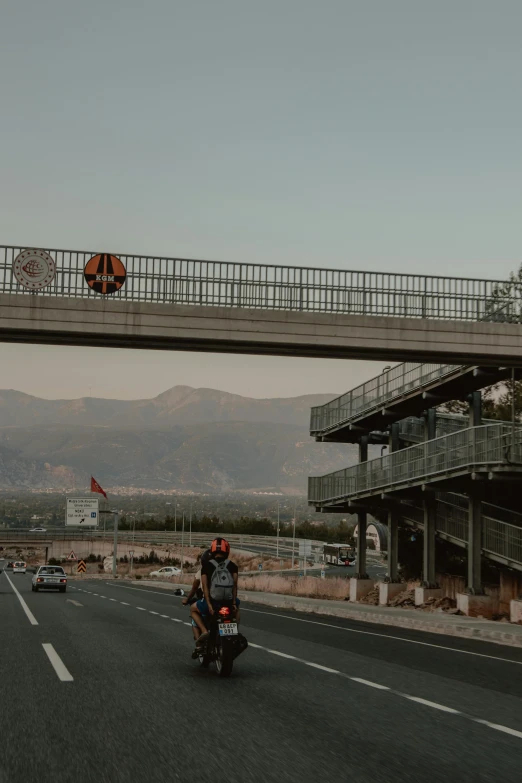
(219, 552)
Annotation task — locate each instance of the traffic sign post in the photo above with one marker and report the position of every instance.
(131, 553)
(82, 512)
(81, 567)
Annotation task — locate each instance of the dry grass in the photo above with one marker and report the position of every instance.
(335, 589)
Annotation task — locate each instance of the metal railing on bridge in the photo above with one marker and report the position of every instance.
(485, 445)
(378, 391)
(266, 286)
(501, 539)
(413, 427)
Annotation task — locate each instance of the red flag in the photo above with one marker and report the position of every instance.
(95, 487)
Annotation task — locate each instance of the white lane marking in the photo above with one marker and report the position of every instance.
(141, 608)
(166, 593)
(58, 665)
(153, 612)
(124, 603)
(70, 601)
(281, 654)
(385, 635)
(102, 596)
(433, 704)
(30, 616)
(323, 668)
(175, 620)
(370, 683)
(189, 624)
(498, 727)
(378, 686)
(165, 616)
(113, 599)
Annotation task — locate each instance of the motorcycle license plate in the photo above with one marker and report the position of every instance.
(227, 629)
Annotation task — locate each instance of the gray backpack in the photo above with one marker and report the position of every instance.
(221, 582)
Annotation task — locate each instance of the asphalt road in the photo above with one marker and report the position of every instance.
(116, 697)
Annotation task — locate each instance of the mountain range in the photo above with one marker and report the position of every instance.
(194, 439)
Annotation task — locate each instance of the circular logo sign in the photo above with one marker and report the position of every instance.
(34, 269)
(104, 273)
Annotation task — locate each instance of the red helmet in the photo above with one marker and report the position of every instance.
(220, 546)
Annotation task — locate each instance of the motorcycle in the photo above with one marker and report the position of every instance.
(224, 643)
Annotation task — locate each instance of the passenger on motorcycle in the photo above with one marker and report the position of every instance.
(219, 577)
(196, 592)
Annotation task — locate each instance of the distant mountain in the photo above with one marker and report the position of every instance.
(185, 438)
(179, 405)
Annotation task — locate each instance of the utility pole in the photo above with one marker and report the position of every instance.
(190, 525)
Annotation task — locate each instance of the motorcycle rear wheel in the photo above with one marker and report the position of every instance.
(224, 661)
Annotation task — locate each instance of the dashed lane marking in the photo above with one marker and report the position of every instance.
(58, 665)
(424, 702)
(385, 636)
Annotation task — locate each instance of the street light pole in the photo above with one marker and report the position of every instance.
(277, 544)
(293, 538)
(176, 517)
(190, 525)
(115, 544)
(182, 542)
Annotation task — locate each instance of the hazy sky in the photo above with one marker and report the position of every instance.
(368, 135)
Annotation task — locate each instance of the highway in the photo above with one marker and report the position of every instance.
(98, 685)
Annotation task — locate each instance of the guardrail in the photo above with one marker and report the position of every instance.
(266, 286)
(269, 544)
(472, 447)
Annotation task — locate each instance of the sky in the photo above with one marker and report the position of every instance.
(369, 135)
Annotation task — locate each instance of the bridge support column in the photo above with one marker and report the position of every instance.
(393, 546)
(475, 409)
(362, 522)
(392, 586)
(474, 586)
(429, 587)
(474, 602)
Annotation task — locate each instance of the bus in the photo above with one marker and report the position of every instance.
(339, 554)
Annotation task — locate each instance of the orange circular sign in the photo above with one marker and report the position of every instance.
(105, 273)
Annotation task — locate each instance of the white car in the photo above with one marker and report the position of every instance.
(166, 572)
(48, 578)
(19, 567)
(38, 530)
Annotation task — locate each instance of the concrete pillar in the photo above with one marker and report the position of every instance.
(515, 611)
(428, 571)
(388, 591)
(475, 409)
(393, 546)
(359, 588)
(474, 585)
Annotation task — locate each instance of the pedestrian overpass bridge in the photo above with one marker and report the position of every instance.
(180, 304)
